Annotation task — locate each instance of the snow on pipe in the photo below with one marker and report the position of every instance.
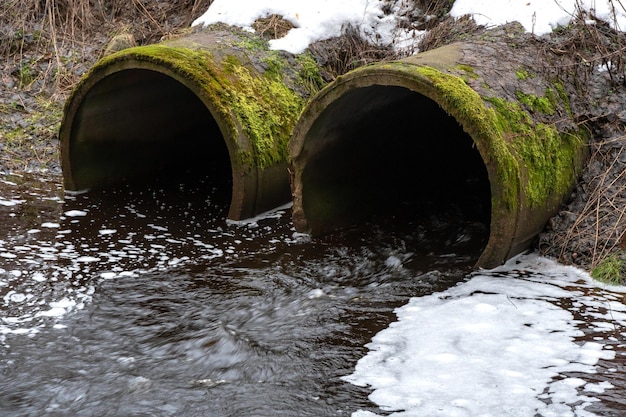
(216, 98)
(447, 123)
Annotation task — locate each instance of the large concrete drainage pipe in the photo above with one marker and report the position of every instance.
(435, 126)
(216, 98)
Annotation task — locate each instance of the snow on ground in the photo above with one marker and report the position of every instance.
(313, 20)
(500, 344)
(324, 19)
(538, 16)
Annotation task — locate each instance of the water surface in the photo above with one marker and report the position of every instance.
(144, 301)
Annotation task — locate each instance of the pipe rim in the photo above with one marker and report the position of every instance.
(244, 177)
(407, 75)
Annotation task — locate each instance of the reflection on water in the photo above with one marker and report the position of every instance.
(145, 301)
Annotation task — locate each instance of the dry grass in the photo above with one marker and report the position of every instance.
(272, 27)
(599, 229)
(587, 47)
(52, 37)
(449, 30)
(349, 51)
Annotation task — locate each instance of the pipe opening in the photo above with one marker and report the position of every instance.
(392, 152)
(136, 125)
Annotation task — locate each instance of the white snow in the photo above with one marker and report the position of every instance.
(539, 16)
(313, 20)
(324, 19)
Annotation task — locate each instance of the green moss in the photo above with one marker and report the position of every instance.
(536, 104)
(523, 74)
(267, 111)
(552, 97)
(469, 70)
(275, 64)
(549, 156)
(564, 97)
(610, 270)
(309, 74)
(253, 44)
(25, 75)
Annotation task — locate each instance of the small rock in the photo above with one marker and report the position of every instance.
(119, 43)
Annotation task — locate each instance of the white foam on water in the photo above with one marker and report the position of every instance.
(58, 308)
(9, 202)
(497, 344)
(75, 213)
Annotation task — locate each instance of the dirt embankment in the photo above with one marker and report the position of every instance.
(46, 48)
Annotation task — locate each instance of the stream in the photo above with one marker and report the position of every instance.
(143, 300)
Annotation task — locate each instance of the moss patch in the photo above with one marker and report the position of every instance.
(536, 104)
(610, 270)
(309, 74)
(564, 97)
(266, 109)
(523, 74)
(549, 156)
(468, 71)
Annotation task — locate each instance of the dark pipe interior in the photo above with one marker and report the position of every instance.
(387, 149)
(139, 124)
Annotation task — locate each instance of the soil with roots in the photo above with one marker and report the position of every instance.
(44, 56)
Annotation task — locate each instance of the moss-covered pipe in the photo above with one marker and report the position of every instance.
(218, 98)
(436, 125)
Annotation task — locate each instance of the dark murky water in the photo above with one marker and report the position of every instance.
(146, 302)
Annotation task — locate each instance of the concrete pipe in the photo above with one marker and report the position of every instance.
(439, 125)
(217, 98)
